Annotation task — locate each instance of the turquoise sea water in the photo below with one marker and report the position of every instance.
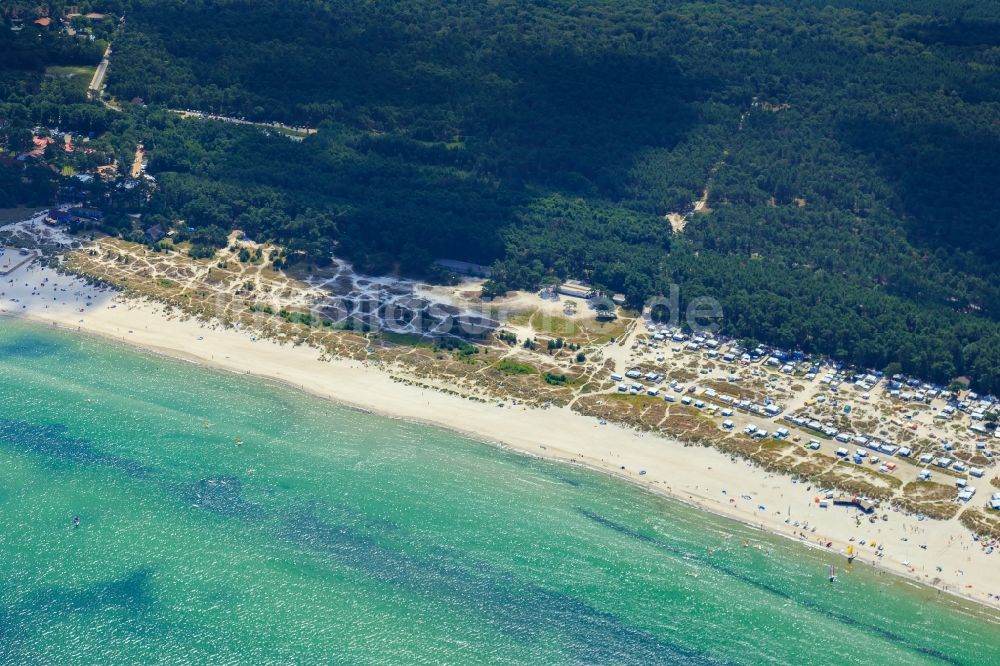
(330, 536)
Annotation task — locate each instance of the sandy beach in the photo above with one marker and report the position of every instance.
(937, 553)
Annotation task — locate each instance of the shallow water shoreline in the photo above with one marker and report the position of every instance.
(698, 502)
(690, 474)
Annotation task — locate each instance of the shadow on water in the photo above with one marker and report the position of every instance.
(129, 595)
(517, 608)
(548, 470)
(52, 442)
(733, 572)
(221, 495)
(24, 346)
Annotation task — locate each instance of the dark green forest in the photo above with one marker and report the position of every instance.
(850, 150)
(29, 98)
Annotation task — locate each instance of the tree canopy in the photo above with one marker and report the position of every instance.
(849, 150)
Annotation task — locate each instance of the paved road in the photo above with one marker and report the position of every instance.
(240, 121)
(98, 81)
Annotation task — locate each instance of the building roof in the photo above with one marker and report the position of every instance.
(40, 143)
(464, 267)
(573, 288)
